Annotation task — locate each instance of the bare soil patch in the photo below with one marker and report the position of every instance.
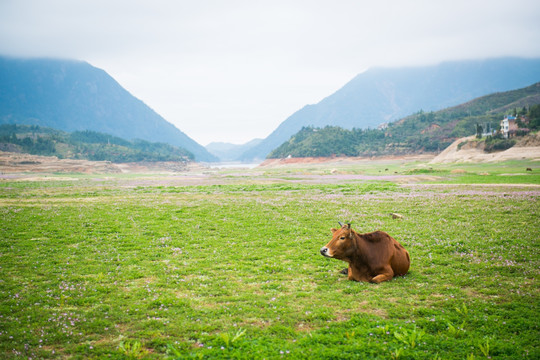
(12, 162)
(342, 160)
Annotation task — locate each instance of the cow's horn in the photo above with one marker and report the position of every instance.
(340, 224)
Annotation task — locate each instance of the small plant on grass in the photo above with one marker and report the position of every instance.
(229, 339)
(383, 329)
(484, 348)
(463, 310)
(133, 349)
(410, 338)
(174, 353)
(396, 354)
(456, 331)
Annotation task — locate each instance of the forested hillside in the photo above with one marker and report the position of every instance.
(421, 132)
(88, 145)
(382, 95)
(75, 96)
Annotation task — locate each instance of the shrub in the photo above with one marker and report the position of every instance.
(499, 145)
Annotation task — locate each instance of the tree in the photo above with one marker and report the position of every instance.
(479, 131)
(534, 117)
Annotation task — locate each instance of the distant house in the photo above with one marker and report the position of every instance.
(509, 126)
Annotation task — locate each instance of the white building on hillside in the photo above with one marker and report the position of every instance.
(508, 126)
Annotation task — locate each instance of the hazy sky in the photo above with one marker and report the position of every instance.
(234, 70)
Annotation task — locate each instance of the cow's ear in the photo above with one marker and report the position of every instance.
(333, 230)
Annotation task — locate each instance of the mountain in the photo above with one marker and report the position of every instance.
(382, 95)
(417, 133)
(74, 96)
(230, 152)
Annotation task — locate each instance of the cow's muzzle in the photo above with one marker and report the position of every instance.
(325, 252)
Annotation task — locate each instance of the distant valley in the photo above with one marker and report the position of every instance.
(73, 96)
(227, 152)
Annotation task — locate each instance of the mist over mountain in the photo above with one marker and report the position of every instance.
(423, 132)
(75, 96)
(381, 95)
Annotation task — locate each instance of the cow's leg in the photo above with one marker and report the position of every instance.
(358, 274)
(385, 275)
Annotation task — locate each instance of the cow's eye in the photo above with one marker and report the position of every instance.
(342, 238)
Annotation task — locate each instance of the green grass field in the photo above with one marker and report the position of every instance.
(228, 265)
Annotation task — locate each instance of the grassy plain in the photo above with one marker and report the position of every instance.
(226, 264)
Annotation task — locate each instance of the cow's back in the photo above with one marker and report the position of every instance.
(382, 249)
(377, 237)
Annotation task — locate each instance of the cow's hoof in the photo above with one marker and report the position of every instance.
(345, 271)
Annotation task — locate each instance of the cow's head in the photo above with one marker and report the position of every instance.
(342, 245)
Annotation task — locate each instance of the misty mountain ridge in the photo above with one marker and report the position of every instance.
(71, 95)
(74, 96)
(423, 132)
(382, 95)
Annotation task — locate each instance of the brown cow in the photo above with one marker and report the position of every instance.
(372, 257)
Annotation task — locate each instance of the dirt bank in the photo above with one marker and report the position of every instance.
(527, 147)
